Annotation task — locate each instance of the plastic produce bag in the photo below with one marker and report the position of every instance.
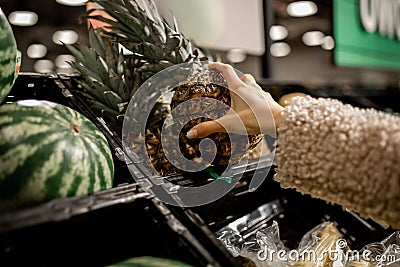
(320, 247)
(379, 254)
(255, 241)
(248, 237)
(258, 249)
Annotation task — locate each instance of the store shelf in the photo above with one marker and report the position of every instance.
(101, 228)
(93, 230)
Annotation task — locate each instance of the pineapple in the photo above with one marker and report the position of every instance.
(109, 78)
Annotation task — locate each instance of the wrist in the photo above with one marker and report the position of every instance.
(277, 115)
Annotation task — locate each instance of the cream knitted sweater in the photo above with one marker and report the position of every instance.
(343, 155)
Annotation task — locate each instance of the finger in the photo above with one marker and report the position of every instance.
(229, 74)
(250, 80)
(204, 129)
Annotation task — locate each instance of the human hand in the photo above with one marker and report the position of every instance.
(250, 106)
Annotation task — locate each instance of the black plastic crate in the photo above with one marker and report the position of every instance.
(103, 227)
(299, 213)
(296, 215)
(98, 230)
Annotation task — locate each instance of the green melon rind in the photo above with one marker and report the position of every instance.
(42, 158)
(8, 53)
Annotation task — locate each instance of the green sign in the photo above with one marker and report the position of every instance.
(367, 33)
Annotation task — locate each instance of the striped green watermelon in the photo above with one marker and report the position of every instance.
(48, 151)
(148, 261)
(8, 57)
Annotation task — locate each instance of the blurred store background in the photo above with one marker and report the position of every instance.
(282, 40)
(346, 49)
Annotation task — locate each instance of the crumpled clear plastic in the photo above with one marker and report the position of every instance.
(379, 254)
(249, 235)
(265, 248)
(322, 246)
(256, 249)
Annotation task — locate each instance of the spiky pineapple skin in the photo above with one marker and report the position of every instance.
(202, 85)
(211, 84)
(206, 84)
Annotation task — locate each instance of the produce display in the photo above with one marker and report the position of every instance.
(8, 57)
(110, 77)
(48, 151)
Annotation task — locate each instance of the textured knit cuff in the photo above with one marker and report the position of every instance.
(343, 155)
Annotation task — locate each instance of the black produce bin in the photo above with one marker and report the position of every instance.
(101, 228)
(124, 221)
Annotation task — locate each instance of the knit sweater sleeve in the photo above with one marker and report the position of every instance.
(343, 155)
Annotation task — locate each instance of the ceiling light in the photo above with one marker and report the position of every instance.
(328, 43)
(23, 18)
(36, 51)
(72, 2)
(302, 8)
(313, 38)
(280, 49)
(43, 66)
(66, 37)
(278, 32)
(62, 61)
(236, 55)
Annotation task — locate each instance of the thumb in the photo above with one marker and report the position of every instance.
(204, 129)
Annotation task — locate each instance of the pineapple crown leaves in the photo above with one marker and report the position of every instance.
(109, 77)
(138, 26)
(105, 76)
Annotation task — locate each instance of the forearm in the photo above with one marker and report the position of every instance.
(343, 155)
(277, 115)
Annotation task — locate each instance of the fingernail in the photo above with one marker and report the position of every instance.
(191, 134)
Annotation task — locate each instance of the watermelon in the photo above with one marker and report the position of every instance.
(149, 261)
(9, 57)
(48, 151)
